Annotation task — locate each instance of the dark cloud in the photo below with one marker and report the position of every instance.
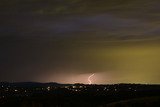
(45, 40)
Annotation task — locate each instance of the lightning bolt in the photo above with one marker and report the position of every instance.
(89, 79)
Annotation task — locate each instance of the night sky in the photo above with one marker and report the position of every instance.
(66, 41)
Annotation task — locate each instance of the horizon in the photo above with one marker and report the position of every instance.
(81, 83)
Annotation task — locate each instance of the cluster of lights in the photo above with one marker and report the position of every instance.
(132, 89)
(74, 88)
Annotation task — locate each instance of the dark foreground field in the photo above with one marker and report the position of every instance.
(78, 95)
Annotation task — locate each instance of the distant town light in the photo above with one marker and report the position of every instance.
(73, 86)
(66, 87)
(80, 86)
(48, 88)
